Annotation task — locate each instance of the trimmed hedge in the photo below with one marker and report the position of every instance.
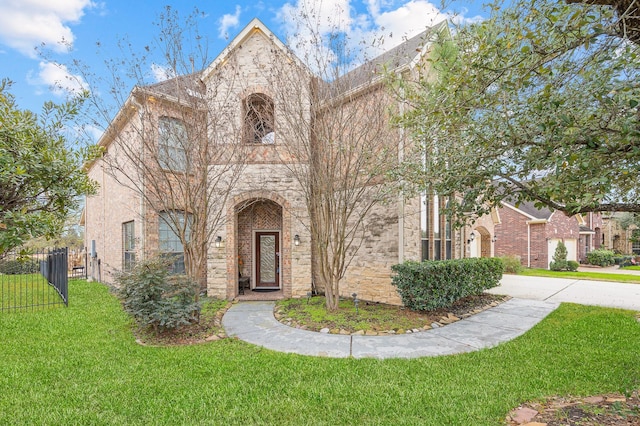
(572, 265)
(429, 285)
(18, 267)
(601, 257)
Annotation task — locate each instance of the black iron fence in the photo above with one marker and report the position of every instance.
(35, 279)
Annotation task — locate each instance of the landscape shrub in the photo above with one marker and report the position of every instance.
(512, 264)
(157, 299)
(559, 262)
(572, 265)
(624, 260)
(430, 285)
(601, 257)
(19, 266)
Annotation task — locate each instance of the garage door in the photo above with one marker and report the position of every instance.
(572, 248)
(570, 243)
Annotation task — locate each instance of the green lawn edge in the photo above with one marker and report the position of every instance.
(593, 276)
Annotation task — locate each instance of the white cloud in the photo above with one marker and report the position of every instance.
(58, 78)
(161, 73)
(25, 24)
(228, 21)
(385, 25)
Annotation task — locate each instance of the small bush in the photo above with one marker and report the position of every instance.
(559, 262)
(155, 298)
(512, 264)
(572, 265)
(624, 260)
(18, 267)
(430, 285)
(601, 257)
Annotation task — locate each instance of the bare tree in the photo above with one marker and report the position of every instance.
(339, 146)
(176, 143)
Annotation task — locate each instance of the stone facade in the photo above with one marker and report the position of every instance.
(260, 191)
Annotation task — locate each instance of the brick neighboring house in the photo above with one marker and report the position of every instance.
(533, 234)
(263, 233)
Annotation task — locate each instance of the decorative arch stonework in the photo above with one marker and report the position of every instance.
(485, 241)
(264, 202)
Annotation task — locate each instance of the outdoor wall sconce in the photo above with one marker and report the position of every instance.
(471, 238)
(296, 240)
(218, 241)
(494, 239)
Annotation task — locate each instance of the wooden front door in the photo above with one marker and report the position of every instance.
(267, 259)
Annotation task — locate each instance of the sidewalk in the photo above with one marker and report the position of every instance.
(254, 322)
(597, 293)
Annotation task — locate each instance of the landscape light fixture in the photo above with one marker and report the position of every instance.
(356, 301)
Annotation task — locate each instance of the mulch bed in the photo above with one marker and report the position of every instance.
(208, 329)
(424, 320)
(600, 410)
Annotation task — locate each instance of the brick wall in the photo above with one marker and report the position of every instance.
(512, 235)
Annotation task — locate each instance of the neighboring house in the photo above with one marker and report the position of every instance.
(261, 225)
(616, 238)
(534, 233)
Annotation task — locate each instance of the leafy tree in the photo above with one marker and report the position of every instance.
(628, 13)
(539, 102)
(40, 174)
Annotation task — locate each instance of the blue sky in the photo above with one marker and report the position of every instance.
(25, 24)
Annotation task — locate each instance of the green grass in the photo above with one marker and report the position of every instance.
(595, 276)
(81, 365)
(632, 268)
(26, 290)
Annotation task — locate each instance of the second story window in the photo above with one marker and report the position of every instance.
(172, 144)
(259, 119)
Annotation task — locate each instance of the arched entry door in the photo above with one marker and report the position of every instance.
(267, 255)
(483, 242)
(259, 243)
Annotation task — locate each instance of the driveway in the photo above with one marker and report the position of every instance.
(598, 293)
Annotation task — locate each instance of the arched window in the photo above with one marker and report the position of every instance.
(259, 119)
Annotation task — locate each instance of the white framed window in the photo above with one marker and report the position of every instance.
(170, 227)
(172, 143)
(128, 246)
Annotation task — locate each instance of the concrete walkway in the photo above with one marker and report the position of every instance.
(597, 293)
(254, 322)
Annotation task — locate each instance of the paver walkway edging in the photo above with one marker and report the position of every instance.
(254, 323)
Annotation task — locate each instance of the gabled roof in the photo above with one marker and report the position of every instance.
(254, 26)
(404, 56)
(181, 87)
(527, 208)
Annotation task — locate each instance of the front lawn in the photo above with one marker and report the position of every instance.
(595, 276)
(27, 291)
(81, 365)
